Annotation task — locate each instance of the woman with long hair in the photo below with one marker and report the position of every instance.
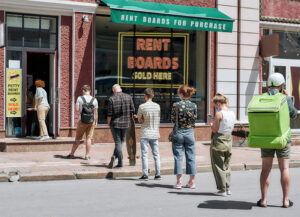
(220, 151)
(185, 112)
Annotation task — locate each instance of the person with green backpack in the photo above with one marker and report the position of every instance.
(269, 127)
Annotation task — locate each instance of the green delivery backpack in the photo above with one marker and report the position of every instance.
(269, 121)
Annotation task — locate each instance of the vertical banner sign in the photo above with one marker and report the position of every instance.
(13, 92)
(155, 60)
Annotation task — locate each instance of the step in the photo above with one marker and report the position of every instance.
(32, 145)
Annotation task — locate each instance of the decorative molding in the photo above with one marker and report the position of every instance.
(275, 19)
(49, 5)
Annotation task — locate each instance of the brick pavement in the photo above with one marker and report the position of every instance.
(37, 166)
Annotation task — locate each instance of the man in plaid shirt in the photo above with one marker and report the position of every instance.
(120, 106)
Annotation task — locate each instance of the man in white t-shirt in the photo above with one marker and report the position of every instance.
(149, 116)
(88, 118)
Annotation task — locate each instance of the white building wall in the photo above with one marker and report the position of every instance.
(226, 75)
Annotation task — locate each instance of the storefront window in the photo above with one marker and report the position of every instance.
(31, 31)
(137, 57)
(289, 44)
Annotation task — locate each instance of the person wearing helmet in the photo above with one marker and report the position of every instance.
(276, 83)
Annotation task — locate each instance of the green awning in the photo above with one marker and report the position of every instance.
(169, 15)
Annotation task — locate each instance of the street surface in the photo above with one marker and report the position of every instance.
(129, 197)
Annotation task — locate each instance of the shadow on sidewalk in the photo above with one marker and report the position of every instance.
(65, 157)
(93, 165)
(154, 185)
(230, 204)
(193, 193)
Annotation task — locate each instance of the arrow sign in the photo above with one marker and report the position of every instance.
(13, 112)
(13, 99)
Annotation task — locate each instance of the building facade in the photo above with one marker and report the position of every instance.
(71, 43)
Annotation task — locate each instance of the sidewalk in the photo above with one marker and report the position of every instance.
(42, 166)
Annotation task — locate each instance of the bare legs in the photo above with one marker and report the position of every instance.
(265, 178)
(191, 180)
(87, 148)
(285, 179)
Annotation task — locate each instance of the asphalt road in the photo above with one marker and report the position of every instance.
(129, 197)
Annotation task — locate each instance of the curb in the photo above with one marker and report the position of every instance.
(54, 176)
(46, 176)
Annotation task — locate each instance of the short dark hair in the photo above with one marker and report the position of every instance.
(149, 93)
(86, 88)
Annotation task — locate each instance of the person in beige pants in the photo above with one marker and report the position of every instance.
(42, 107)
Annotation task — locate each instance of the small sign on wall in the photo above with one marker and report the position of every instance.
(13, 92)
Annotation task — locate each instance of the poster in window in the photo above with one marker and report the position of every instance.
(13, 92)
(155, 60)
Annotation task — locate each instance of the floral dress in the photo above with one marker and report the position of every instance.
(187, 113)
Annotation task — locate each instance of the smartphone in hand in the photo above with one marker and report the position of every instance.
(210, 116)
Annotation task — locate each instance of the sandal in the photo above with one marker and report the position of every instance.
(261, 205)
(191, 186)
(87, 158)
(291, 203)
(177, 186)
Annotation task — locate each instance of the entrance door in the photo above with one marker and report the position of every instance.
(290, 68)
(40, 66)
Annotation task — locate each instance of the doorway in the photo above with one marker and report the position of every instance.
(40, 66)
(290, 69)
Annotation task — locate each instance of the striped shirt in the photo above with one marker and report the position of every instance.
(150, 112)
(120, 106)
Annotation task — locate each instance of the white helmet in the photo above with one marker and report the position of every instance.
(275, 80)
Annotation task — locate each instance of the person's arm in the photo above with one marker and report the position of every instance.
(140, 116)
(216, 122)
(77, 107)
(109, 112)
(38, 97)
(292, 109)
(96, 116)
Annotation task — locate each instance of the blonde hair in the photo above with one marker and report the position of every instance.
(219, 97)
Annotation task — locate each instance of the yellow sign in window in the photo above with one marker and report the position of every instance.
(13, 92)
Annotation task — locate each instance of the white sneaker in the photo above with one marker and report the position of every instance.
(228, 192)
(223, 194)
(44, 138)
(38, 138)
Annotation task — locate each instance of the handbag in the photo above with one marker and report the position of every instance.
(173, 135)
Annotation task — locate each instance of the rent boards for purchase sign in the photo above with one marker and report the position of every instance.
(156, 60)
(13, 92)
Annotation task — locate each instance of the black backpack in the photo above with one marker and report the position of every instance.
(87, 113)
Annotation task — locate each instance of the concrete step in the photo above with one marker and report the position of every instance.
(30, 144)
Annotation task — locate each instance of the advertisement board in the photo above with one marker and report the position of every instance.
(155, 60)
(13, 92)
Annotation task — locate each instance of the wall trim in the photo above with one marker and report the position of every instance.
(49, 5)
(275, 19)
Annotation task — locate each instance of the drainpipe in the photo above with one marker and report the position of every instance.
(238, 66)
(73, 68)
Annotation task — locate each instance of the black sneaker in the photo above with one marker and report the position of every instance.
(111, 163)
(70, 156)
(144, 178)
(157, 177)
(118, 166)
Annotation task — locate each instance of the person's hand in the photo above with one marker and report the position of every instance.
(134, 116)
(34, 109)
(285, 92)
(95, 122)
